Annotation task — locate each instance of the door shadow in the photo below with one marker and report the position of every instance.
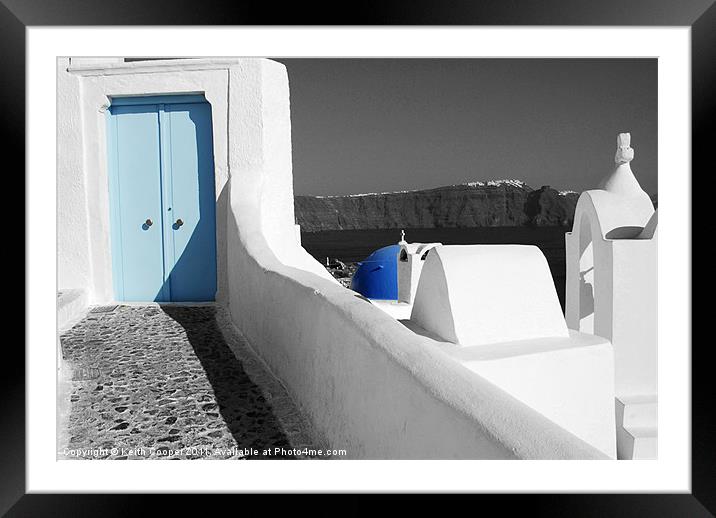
(238, 400)
(193, 277)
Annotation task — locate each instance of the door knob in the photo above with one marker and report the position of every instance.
(179, 223)
(149, 222)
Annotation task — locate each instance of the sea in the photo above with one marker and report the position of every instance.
(351, 246)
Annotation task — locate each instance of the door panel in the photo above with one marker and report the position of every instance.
(162, 199)
(191, 220)
(137, 204)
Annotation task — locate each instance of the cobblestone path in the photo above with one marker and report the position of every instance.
(163, 382)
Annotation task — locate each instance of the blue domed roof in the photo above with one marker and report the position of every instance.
(387, 253)
(377, 275)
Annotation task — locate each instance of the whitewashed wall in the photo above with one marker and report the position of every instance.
(620, 300)
(612, 291)
(84, 92)
(74, 267)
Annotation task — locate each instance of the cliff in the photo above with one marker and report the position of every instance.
(476, 204)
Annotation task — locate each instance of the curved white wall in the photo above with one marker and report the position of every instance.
(481, 294)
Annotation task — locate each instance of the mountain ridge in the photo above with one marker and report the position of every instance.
(490, 203)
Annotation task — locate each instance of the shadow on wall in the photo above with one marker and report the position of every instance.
(586, 294)
(628, 232)
(247, 414)
(190, 280)
(586, 277)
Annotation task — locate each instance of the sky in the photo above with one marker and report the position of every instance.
(379, 125)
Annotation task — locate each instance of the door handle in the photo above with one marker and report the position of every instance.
(178, 223)
(149, 222)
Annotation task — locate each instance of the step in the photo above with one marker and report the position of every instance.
(637, 411)
(637, 443)
(71, 306)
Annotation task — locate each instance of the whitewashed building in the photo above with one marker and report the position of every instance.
(612, 291)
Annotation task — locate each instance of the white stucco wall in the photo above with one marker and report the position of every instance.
(612, 291)
(409, 268)
(98, 85)
(84, 92)
(494, 309)
(635, 274)
(74, 268)
(620, 300)
(481, 294)
(568, 380)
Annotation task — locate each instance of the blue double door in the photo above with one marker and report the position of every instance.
(162, 199)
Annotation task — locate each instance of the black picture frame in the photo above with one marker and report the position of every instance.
(700, 15)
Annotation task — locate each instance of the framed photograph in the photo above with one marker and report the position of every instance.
(420, 253)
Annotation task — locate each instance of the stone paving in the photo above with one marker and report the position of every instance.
(173, 382)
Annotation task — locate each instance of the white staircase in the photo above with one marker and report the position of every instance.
(636, 418)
